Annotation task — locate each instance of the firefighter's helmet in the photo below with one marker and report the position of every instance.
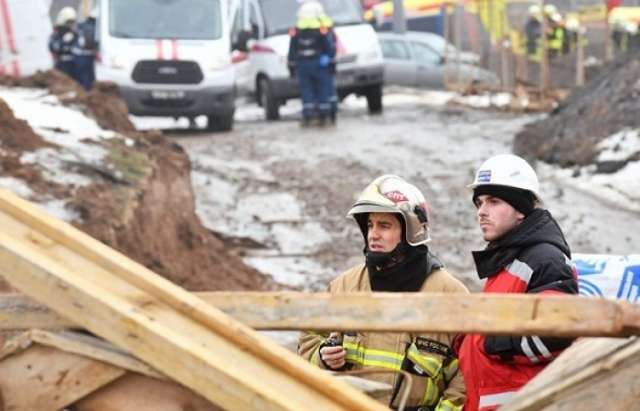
(392, 194)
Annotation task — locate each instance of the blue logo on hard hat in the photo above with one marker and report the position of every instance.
(484, 176)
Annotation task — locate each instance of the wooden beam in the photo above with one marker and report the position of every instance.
(491, 314)
(167, 327)
(42, 378)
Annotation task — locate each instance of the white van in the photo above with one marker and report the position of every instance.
(267, 22)
(25, 27)
(169, 57)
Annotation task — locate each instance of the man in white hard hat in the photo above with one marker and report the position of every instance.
(62, 41)
(526, 253)
(393, 218)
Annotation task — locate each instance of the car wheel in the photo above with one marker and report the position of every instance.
(374, 98)
(220, 123)
(268, 101)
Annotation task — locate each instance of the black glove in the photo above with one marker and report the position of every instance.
(500, 345)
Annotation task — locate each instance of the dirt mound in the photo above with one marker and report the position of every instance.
(102, 102)
(605, 105)
(17, 135)
(141, 200)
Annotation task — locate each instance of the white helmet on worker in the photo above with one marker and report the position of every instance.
(65, 15)
(310, 10)
(392, 194)
(550, 9)
(510, 178)
(534, 10)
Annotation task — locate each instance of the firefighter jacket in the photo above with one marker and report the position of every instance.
(436, 382)
(532, 258)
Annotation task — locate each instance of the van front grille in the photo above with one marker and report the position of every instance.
(167, 72)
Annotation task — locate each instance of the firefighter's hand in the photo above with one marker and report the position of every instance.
(333, 357)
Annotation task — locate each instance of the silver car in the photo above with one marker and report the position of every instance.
(417, 59)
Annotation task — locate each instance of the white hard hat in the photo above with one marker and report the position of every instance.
(534, 10)
(310, 10)
(392, 194)
(66, 14)
(507, 170)
(550, 9)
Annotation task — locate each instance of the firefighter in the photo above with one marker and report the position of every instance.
(555, 30)
(533, 30)
(62, 41)
(526, 252)
(393, 218)
(311, 52)
(85, 49)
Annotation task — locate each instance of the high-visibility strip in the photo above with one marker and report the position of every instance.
(526, 348)
(520, 270)
(541, 347)
(495, 399)
(447, 405)
(432, 365)
(431, 392)
(450, 370)
(373, 358)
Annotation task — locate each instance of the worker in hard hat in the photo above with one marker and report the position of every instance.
(310, 57)
(555, 29)
(85, 50)
(393, 218)
(526, 253)
(533, 29)
(62, 41)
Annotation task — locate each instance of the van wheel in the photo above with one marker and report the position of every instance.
(220, 123)
(268, 101)
(374, 98)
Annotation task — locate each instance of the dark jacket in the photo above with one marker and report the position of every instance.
(533, 258)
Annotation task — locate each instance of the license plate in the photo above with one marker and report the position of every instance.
(167, 94)
(346, 78)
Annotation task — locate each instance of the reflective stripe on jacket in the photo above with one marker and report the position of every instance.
(436, 382)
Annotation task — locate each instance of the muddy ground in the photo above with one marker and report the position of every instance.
(280, 194)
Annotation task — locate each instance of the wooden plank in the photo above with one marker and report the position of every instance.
(95, 348)
(43, 378)
(490, 314)
(167, 327)
(591, 374)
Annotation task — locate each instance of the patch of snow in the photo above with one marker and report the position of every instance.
(16, 186)
(621, 189)
(620, 146)
(56, 167)
(58, 209)
(294, 271)
(485, 100)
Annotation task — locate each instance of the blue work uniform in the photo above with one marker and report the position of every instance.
(84, 53)
(311, 52)
(61, 44)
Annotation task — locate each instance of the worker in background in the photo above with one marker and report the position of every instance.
(393, 218)
(85, 50)
(311, 51)
(62, 41)
(526, 252)
(555, 30)
(533, 30)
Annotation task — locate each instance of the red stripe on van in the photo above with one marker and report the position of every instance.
(159, 50)
(16, 68)
(8, 28)
(174, 49)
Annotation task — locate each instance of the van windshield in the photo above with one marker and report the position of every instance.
(165, 19)
(280, 15)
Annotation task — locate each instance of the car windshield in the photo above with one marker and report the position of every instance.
(165, 19)
(280, 15)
